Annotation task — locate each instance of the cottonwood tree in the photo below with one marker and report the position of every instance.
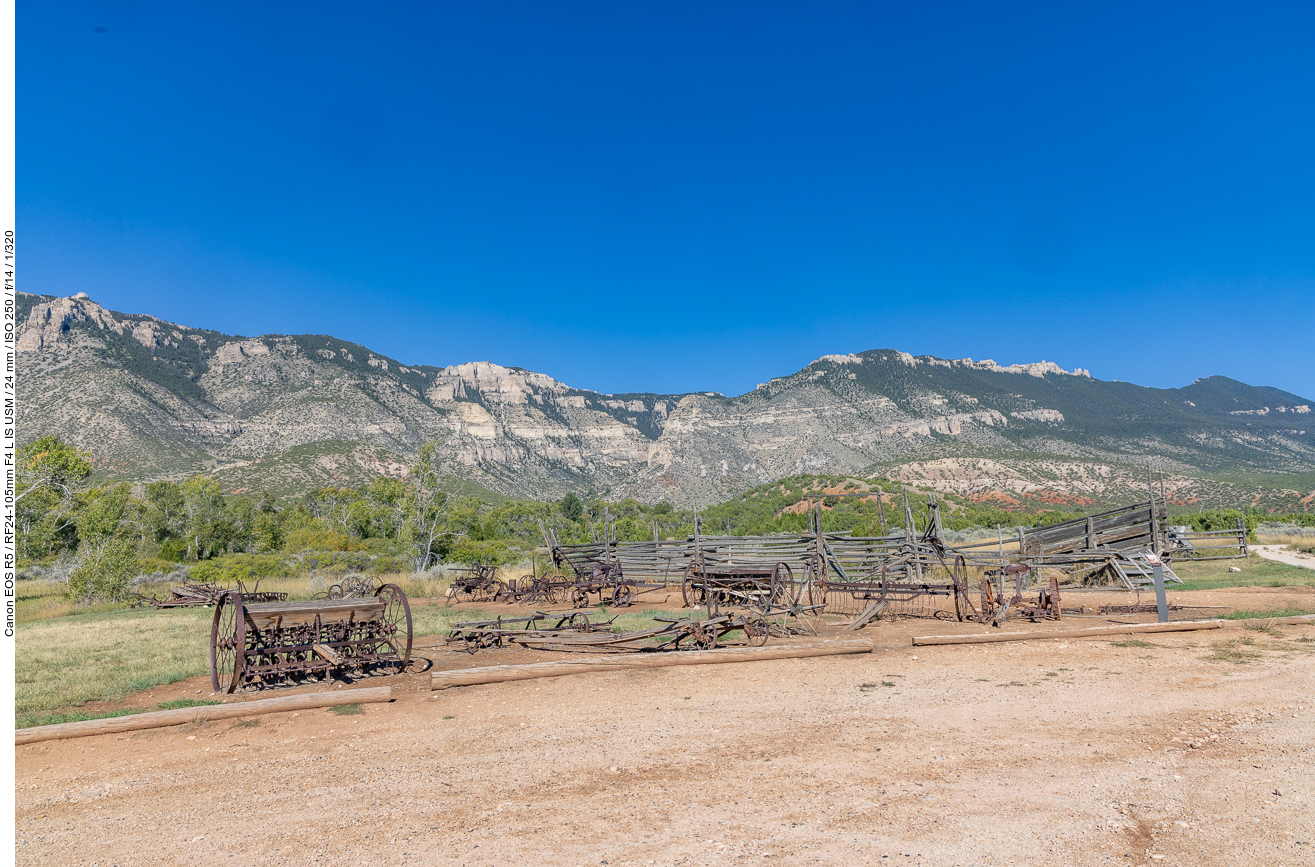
(50, 463)
(49, 473)
(386, 501)
(207, 526)
(107, 558)
(430, 518)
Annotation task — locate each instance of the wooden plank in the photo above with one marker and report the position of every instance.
(162, 718)
(619, 662)
(268, 614)
(1092, 632)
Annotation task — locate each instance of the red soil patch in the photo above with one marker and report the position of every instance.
(800, 508)
(995, 497)
(1057, 499)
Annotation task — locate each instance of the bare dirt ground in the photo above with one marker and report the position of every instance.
(1192, 748)
(1284, 554)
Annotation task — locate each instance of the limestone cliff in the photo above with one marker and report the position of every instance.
(151, 399)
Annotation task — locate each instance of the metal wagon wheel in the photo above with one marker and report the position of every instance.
(396, 621)
(228, 639)
(691, 586)
(554, 589)
(623, 595)
(783, 590)
(579, 598)
(757, 630)
(817, 591)
(705, 638)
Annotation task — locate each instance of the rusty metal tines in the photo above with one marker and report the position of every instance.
(276, 642)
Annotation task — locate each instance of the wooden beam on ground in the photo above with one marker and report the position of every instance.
(1098, 631)
(619, 662)
(1299, 620)
(162, 718)
(1092, 632)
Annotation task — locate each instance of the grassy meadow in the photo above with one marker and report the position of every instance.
(1256, 572)
(69, 654)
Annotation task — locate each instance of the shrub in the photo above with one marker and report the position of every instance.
(320, 539)
(492, 551)
(174, 549)
(232, 568)
(335, 562)
(103, 572)
(1218, 519)
(387, 563)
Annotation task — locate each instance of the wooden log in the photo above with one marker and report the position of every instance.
(1092, 632)
(619, 662)
(327, 653)
(1299, 620)
(162, 718)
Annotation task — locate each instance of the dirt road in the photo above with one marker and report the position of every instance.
(1284, 554)
(1190, 749)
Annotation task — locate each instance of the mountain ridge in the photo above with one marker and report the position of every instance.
(153, 399)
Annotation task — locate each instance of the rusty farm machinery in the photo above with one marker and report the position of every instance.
(575, 632)
(268, 643)
(200, 594)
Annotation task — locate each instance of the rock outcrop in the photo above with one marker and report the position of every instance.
(151, 399)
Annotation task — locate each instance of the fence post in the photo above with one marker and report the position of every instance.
(1161, 604)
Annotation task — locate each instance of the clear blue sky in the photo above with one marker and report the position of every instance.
(688, 196)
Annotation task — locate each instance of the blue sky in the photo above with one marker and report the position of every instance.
(688, 196)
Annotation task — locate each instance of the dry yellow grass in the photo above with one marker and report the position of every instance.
(1296, 543)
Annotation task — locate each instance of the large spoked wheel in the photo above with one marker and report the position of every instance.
(691, 587)
(396, 621)
(783, 589)
(228, 638)
(817, 592)
(622, 596)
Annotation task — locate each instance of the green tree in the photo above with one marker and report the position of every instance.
(571, 507)
(107, 558)
(430, 522)
(104, 570)
(49, 463)
(166, 511)
(386, 500)
(208, 528)
(267, 532)
(48, 475)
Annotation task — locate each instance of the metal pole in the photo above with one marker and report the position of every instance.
(1161, 604)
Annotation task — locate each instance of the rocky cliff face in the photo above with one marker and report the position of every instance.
(151, 399)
